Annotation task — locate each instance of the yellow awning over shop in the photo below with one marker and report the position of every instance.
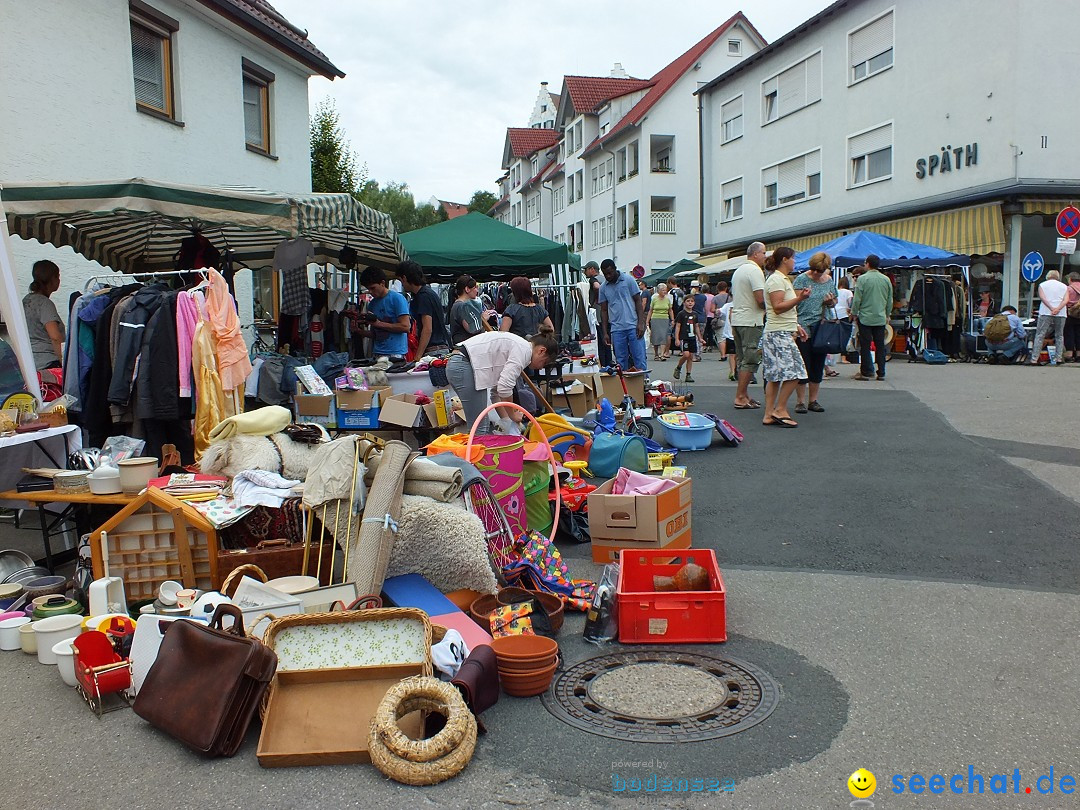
(975, 230)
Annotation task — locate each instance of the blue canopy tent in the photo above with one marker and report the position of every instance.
(852, 249)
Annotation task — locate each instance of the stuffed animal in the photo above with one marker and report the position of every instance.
(277, 453)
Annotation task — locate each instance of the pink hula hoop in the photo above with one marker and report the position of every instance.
(546, 443)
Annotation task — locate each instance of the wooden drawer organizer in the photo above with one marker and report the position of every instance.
(154, 538)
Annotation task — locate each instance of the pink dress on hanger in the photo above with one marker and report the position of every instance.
(187, 318)
(234, 364)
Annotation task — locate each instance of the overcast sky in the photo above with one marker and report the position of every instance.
(431, 85)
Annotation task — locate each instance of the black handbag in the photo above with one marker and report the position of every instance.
(830, 336)
(573, 526)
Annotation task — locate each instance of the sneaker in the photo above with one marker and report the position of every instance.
(881, 378)
(689, 379)
(676, 372)
(815, 407)
(860, 376)
(800, 408)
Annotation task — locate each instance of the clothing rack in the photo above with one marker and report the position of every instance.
(138, 276)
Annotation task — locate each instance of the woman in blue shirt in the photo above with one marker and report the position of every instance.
(822, 296)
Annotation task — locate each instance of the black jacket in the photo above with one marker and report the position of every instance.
(130, 339)
(157, 385)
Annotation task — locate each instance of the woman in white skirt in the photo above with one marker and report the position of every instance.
(782, 364)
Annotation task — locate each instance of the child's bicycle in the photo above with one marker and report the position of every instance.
(631, 423)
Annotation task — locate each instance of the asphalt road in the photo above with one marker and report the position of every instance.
(912, 592)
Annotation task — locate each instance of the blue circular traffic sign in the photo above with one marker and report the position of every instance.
(1068, 221)
(1032, 267)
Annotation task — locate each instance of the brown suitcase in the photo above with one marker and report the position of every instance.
(279, 558)
(206, 683)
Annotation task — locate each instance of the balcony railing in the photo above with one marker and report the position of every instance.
(663, 221)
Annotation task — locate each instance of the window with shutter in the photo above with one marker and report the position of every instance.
(794, 88)
(256, 113)
(791, 183)
(731, 120)
(151, 61)
(870, 48)
(732, 196)
(769, 187)
(870, 155)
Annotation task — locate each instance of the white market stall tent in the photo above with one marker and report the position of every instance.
(136, 226)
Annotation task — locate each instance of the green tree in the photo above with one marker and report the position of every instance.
(396, 200)
(482, 201)
(334, 166)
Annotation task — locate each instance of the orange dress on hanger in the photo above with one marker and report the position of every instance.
(210, 400)
(233, 362)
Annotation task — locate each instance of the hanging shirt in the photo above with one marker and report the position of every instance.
(291, 259)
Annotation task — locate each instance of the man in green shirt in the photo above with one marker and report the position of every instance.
(870, 309)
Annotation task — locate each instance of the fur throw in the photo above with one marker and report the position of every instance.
(277, 453)
(443, 542)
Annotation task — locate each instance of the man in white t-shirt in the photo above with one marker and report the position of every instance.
(747, 318)
(1054, 297)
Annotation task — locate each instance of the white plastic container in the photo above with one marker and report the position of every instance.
(107, 596)
(64, 653)
(52, 630)
(9, 632)
(135, 473)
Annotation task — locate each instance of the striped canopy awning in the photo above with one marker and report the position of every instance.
(137, 225)
(977, 230)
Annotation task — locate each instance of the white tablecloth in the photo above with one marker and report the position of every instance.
(20, 451)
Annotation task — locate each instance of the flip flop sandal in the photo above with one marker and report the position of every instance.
(750, 406)
(785, 422)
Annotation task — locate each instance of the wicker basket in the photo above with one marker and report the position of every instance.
(428, 761)
(237, 573)
(72, 482)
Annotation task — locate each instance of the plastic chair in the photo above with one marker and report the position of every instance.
(100, 671)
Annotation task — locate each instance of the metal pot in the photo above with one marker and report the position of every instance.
(44, 586)
(12, 560)
(24, 575)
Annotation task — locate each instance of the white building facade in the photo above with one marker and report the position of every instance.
(872, 115)
(622, 179)
(211, 93)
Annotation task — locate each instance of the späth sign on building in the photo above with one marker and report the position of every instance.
(947, 160)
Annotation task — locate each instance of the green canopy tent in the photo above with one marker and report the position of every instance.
(680, 266)
(136, 225)
(486, 249)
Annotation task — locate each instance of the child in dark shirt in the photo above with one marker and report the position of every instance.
(687, 336)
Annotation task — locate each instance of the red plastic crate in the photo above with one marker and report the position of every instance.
(650, 617)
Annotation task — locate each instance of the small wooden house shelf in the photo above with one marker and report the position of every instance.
(155, 538)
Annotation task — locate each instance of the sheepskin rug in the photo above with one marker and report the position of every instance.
(242, 452)
(443, 542)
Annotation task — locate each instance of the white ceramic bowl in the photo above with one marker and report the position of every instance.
(64, 653)
(105, 481)
(168, 590)
(9, 632)
(52, 630)
(294, 585)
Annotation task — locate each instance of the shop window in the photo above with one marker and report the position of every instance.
(257, 83)
(151, 61)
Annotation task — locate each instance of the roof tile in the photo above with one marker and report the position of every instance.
(524, 141)
(589, 92)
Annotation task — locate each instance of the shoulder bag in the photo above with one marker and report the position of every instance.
(830, 335)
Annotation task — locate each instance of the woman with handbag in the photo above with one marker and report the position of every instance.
(812, 312)
(782, 365)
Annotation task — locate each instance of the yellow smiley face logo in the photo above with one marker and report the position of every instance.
(862, 784)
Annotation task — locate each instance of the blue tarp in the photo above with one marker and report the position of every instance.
(851, 251)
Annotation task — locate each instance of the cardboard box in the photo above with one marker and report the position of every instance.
(640, 521)
(603, 553)
(612, 388)
(580, 396)
(402, 410)
(362, 400)
(322, 716)
(315, 408)
(367, 419)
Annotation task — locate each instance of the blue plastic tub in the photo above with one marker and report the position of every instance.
(695, 436)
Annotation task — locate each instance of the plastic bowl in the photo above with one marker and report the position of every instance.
(553, 605)
(524, 648)
(527, 684)
(513, 666)
(695, 436)
(64, 653)
(481, 608)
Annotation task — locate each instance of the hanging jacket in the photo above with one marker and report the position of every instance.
(157, 385)
(129, 342)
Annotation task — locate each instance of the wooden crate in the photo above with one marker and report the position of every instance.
(155, 538)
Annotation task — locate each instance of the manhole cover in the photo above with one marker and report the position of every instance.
(662, 696)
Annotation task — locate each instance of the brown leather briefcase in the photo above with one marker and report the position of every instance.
(206, 683)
